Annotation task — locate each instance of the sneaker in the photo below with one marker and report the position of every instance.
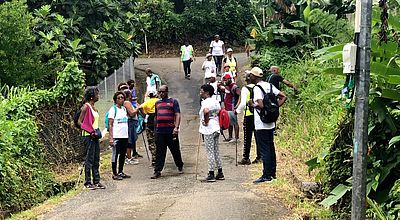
(233, 140)
(263, 180)
(90, 186)
(245, 162)
(134, 161)
(124, 176)
(255, 161)
(99, 186)
(220, 176)
(117, 177)
(210, 178)
(180, 170)
(228, 140)
(156, 175)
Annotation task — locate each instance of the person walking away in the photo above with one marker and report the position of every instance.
(89, 122)
(217, 49)
(275, 78)
(264, 131)
(228, 72)
(118, 129)
(149, 108)
(132, 124)
(209, 127)
(231, 61)
(231, 99)
(131, 84)
(187, 57)
(167, 121)
(248, 123)
(208, 67)
(153, 82)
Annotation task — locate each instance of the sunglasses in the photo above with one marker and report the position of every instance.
(120, 97)
(162, 91)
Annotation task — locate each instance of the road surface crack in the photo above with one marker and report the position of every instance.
(165, 209)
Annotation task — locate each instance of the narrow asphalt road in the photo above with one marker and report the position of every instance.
(176, 196)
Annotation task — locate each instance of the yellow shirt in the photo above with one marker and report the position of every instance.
(149, 106)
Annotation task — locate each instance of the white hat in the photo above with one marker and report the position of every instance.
(229, 50)
(209, 54)
(256, 71)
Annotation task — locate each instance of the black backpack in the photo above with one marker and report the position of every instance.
(251, 98)
(76, 118)
(270, 112)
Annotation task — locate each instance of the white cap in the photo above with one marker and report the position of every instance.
(229, 50)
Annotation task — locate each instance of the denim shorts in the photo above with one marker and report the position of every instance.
(232, 118)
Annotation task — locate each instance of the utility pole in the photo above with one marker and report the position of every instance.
(363, 41)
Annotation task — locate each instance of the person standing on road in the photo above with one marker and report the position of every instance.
(118, 129)
(215, 84)
(89, 122)
(149, 108)
(275, 78)
(167, 121)
(132, 125)
(264, 131)
(131, 84)
(187, 57)
(248, 123)
(231, 99)
(208, 67)
(153, 81)
(228, 72)
(209, 127)
(231, 61)
(217, 49)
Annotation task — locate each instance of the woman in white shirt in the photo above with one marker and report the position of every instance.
(217, 49)
(209, 127)
(208, 66)
(118, 128)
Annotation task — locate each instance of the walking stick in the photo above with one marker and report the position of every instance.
(197, 157)
(145, 147)
(236, 153)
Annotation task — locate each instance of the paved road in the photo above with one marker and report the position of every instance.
(176, 196)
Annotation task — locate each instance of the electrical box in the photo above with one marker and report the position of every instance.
(349, 58)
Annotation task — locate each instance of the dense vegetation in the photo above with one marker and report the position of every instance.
(26, 178)
(318, 122)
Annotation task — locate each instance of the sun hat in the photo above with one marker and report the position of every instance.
(209, 54)
(226, 65)
(256, 71)
(229, 50)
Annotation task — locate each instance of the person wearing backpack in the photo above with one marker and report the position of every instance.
(209, 127)
(266, 100)
(231, 99)
(153, 82)
(118, 129)
(88, 121)
(246, 95)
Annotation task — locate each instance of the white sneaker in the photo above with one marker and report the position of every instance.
(134, 161)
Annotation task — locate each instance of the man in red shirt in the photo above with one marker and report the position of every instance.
(231, 100)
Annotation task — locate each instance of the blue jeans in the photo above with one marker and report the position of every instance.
(265, 142)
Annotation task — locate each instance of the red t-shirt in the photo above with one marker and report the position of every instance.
(231, 98)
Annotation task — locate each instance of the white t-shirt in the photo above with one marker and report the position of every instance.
(120, 125)
(213, 123)
(208, 67)
(258, 124)
(151, 83)
(217, 48)
(186, 52)
(216, 95)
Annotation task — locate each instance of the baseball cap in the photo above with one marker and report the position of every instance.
(227, 76)
(229, 50)
(256, 71)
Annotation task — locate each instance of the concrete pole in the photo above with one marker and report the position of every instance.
(115, 79)
(123, 71)
(362, 78)
(105, 88)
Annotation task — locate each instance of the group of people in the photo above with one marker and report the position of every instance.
(162, 118)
